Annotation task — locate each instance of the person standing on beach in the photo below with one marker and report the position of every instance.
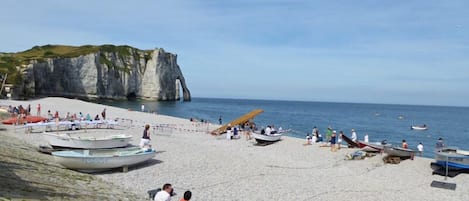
(103, 114)
(220, 120)
(365, 138)
(143, 108)
(354, 135)
(145, 141)
(164, 194)
(420, 148)
(440, 144)
(38, 110)
(404, 144)
(333, 141)
(328, 134)
(228, 132)
(339, 139)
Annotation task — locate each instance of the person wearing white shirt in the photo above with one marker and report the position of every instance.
(354, 135)
(268, 130)
(420, 148)
(366, 138)
(164, 194)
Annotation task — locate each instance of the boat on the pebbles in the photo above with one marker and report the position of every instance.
(398, 151)
(102, 159)
(264, 138)
(453, 157)
(87, 142)
(371, 147)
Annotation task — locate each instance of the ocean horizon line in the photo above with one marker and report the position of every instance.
(334, 102)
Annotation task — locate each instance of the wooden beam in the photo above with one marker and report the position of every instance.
(241, 120)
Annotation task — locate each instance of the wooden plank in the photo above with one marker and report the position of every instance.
(241, 120)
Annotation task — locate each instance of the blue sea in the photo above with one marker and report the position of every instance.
(379, 121)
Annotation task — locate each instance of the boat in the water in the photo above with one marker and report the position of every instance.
(399, 151)
(371, 147)
(87, 142)
(102, 159)
(263, 138)
(26, 119)
(419, 128)
(453, 157)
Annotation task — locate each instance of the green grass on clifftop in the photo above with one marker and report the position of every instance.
(12, 63)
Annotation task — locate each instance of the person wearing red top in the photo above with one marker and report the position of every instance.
(187, 196)
(404, 144)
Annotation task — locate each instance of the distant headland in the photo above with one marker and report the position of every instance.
(93, 72)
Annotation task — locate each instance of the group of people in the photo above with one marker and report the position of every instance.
(335, 141)
(233, 132)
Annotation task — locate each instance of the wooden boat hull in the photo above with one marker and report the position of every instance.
(457, 159)
(370, 147)
(63, 140)
(101, 159)
(349, 141)
(27, 119)
(266, 138)
(398, 151)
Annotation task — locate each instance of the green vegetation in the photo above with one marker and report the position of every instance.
(12, 63)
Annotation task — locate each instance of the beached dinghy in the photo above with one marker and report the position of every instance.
(457, 158)
(263, 138)
(102, 159)
(398, 151)
(66, 140)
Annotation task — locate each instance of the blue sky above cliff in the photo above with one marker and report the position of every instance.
(405, 52)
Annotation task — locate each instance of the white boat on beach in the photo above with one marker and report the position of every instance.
(87, 142)
(102, 159)
(453, 157)
(263, 138)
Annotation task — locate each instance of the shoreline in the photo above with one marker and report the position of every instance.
(214, 168)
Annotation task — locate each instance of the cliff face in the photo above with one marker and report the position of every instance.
(127, 73)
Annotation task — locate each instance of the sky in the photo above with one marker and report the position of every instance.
(367, 51)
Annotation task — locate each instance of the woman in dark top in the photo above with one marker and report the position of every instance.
(145, 141)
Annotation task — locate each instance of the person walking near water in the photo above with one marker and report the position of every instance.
(143, 108)
(220, 120)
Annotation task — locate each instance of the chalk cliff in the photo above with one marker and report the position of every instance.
(114, 72)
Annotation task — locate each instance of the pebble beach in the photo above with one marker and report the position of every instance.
(214, 168)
